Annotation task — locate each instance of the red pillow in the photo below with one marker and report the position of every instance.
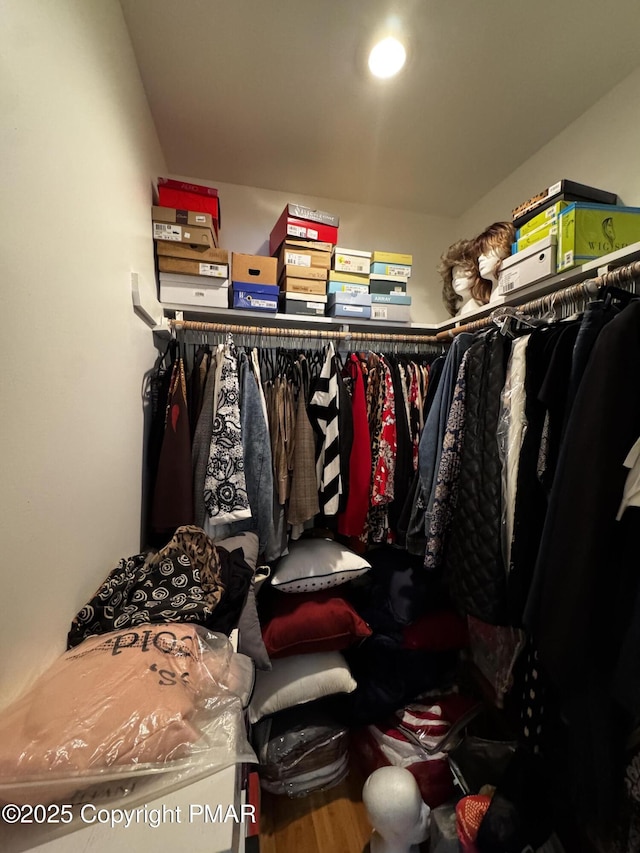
(442, 631)
(312, 622)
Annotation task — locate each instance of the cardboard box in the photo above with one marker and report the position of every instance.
(390, 299)
(548, 216)
(532, 264)
(186, 267)
(388, 284)
(351, 260)
(256, 269)
(297, 245)
(353, 312)
(306, 307)
(293, 256)
(563, 190)
(305, 297)
(392, 258)
(186, 196)
(205, 295)
(401, 270)
(533, 237)
(219, 257)
(176, 216)
(256, 297)
(391, 313)
(348, 277)
(343, 287)
(588, 231)
(184, 234)
(303, 285)
(194, 280)
(294, 271)
(301, 211)
(348, 299)
(290, 226)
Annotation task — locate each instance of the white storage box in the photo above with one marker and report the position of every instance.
(211, 293)
(351, 260)
(529, 265)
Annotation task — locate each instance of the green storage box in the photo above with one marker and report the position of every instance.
(549, 229)
(588, 231)
(547, 217)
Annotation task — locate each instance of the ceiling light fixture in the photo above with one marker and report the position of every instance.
(387, 58)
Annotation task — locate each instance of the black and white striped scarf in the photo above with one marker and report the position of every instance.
(323, 413)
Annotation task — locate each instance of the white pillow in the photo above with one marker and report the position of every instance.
(314, 564)
(299, 679)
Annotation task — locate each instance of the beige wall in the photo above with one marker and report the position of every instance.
(601, 148)
(249, 214)
(79, 154)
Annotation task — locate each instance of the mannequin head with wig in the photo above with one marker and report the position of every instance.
(461, 280)
(491, 248)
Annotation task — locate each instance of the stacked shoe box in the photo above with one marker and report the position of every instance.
(303, 266)
(349, 284)
(254, 283)
(301, 241)
(390, 273)
(192, 270)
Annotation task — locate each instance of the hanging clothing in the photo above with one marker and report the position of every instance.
(303, 501)
(202, 444)
(445, 497)
(225, 490)
(323, 413)
(474, 571)
(351, 522)
(173, 496)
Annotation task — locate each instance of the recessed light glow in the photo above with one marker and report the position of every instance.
(387, 58)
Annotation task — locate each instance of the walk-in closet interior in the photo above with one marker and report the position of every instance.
(318, 542)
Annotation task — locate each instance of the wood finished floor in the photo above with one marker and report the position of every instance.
(333, 821)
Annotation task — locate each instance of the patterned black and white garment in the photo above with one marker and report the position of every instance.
(180, 583)
(323, 413)
(225, 488)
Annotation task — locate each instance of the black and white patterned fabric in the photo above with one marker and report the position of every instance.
(323, 413)
(225, 488)
(180, 583)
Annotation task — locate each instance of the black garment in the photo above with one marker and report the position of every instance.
(345, 421)
(596, 316)
(578, 579)
(236, 576)
(388, 678)
(544, 386)
(404, 451)
(473, 566)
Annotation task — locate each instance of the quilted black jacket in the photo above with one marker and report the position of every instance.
(474, 569)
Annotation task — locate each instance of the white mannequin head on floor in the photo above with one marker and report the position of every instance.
(396, 811)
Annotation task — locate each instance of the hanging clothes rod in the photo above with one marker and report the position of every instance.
(258, 331)
(581, 292)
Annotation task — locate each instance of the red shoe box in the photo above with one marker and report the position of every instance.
(290, 226)
(186, 196)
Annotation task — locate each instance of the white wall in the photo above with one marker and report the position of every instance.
(79, 154)
(249, 214)
(601, 149)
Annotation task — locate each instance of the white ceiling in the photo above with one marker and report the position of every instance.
(275, 93)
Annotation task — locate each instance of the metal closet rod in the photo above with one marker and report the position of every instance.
(568, 295)
(222, 328)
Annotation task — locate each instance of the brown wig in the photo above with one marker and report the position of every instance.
(459, 254)
(498, 236)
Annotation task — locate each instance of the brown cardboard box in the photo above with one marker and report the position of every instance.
(295, 271)
(302, 258)
(182, 217)
(254, 269)
(303, 285)
(186, 267)
(165, 231)
(170, 249)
